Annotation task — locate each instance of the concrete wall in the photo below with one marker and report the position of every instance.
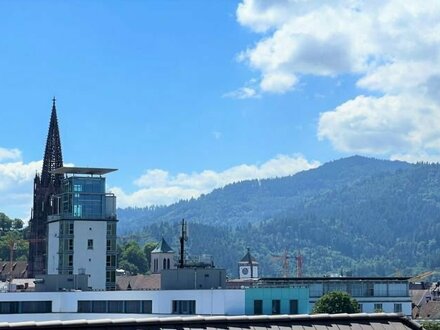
(56, 282)
(53, 247)
(208, 302)
(193, 278)
(92, 260)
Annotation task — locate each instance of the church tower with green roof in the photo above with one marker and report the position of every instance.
(162, 257)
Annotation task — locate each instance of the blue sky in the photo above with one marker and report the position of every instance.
(186, 96)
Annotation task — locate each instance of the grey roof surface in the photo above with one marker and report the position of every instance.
(248, 256)
(162, 247)
(337, 278)
(362, 321)
(138, 282)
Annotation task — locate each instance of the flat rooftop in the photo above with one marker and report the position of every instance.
(336, 278)
(83, 170)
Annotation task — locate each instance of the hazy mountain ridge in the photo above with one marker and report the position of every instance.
(359, 214)
(247, 201)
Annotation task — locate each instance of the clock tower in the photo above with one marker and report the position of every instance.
(248, 266)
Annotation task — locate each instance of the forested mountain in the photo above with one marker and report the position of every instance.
(366, 216)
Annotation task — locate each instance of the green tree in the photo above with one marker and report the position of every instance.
(336, 302)
(431, 325)
(17, 224)
(133, 258)
(5, 223)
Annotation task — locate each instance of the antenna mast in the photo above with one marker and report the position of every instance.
(183, 238)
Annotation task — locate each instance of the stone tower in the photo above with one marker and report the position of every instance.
(46, 185)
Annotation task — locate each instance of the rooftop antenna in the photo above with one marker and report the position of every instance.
(183, 238)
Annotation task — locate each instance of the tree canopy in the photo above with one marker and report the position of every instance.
(336, 302)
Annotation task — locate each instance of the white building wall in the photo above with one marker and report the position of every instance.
(92, 260)
(53, 243)
(208, 302)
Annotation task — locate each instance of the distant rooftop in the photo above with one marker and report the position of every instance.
(83, 170)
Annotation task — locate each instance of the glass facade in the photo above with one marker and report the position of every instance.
(358, 288)
(84, 197)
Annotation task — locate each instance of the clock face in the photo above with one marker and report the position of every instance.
(244, 271)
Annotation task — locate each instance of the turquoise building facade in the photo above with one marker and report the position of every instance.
(270, 301)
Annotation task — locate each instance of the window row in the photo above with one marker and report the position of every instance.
(378, 308)
(276, 306)
(365, 289)
(183, 307)
(19, 307)
(115, 306)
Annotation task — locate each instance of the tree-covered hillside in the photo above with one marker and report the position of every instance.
(255, 200)
(366, 216)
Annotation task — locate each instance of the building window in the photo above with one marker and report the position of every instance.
(258, 307)
(110, 245)
(77, 211)
(397, 308)
(111, 229)
(110, 276)
(90, 244)
(398, 289)
(293, 306)
(276, 306)
(70, 245)
(115, 306)
(184, 307)
(84, 306)
(132, 306)
(164, 264)
(168, 263)
(380, 289)
(147, 306)
(70, 260)
(36, 306)
(9, 307)
(361, 308)
(111, 261)
(70, 228)
(378, 308)
(99, 306)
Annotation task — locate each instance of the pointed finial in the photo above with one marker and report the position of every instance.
(53, 101)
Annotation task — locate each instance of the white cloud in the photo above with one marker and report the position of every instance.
(16, 183)
(242, 93)
(386, 125)
(392, 46)
(9, 154)
(158, 187)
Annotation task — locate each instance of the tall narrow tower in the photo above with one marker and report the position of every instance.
(45, 186)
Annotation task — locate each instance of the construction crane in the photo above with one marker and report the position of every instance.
(284, 258)
(422, 276)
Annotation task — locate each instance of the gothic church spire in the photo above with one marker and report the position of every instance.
(53, 157)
